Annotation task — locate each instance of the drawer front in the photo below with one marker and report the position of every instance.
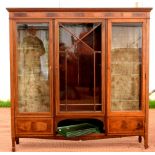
(34, 126)
(125, 125)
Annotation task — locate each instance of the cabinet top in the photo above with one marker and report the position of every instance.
(79, 9)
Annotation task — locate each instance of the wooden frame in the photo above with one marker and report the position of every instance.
(126, 113)
(141, 114)
(57, 102)
(43, 125)
(50, 68)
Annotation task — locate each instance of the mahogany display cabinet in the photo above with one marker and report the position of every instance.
(70, 65)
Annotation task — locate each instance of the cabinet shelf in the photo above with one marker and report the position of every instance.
(127, 62)
(125, 100)
(128, 75)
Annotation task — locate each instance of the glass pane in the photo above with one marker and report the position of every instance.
(33, 78)
(80, 67)
(126, 63)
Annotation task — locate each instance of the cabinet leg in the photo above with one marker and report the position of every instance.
(139, 139)
(13, 145)
(17, 140)
(146, 141)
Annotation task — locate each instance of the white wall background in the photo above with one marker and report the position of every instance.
(4, 30)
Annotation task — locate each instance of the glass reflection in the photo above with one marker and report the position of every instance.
(80, 67)
(33, 87)
(126, 65)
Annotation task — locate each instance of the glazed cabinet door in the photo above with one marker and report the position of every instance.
(33, 108)
(126, 76)
(79, 56)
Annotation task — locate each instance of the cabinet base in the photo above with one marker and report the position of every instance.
(87, 137)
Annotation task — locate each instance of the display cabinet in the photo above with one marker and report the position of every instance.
(79, 65)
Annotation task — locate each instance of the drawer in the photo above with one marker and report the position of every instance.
(125, 125)
(34, 126)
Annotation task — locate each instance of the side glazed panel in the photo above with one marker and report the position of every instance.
(126, 66)
(32, 67)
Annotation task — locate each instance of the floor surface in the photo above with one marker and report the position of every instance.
(125, 144)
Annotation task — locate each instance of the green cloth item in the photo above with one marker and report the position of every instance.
(77, 130)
